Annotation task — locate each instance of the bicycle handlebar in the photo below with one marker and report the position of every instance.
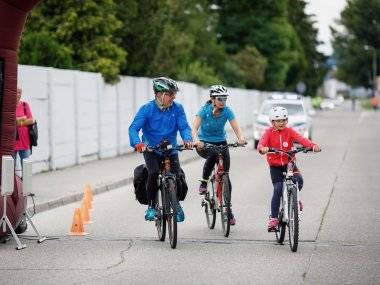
(291, 152)
(222, 147)
(168, 148)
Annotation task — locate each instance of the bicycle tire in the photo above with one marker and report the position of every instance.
(171, 214)
(225, 209)
(210, 210)
(161, 219)
(293, 222)
(280, 234)
(210, 214)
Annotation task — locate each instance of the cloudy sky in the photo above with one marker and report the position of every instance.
(326, 11)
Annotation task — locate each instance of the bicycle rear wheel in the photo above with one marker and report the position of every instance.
(160, 220)
(293, 222)
(171, 214)
(225, 207)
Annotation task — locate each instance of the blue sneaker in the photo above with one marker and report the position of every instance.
(180, 214)
(150, 214)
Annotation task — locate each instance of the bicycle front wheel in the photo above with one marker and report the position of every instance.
(225, 207)
(171, 214)
(293, 222)
(210, 211)
(280, 233)
(160, 220)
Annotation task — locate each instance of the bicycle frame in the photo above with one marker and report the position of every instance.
(288, 184)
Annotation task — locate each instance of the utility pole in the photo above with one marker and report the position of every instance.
(374, 70)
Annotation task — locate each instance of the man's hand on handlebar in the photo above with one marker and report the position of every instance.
(188, 145)
(140, 147)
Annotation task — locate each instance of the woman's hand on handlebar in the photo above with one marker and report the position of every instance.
(199, 144)
(241, 142)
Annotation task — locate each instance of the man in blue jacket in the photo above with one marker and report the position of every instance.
(160, 119)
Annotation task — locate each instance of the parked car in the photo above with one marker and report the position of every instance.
(299, 118)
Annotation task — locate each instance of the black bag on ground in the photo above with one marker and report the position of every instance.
(181, 185)
(140, 177)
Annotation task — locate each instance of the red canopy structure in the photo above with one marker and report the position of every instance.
(13, 14)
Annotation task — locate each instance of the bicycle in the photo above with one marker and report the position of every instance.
(219, 197)
(290, 204)
(166, 198)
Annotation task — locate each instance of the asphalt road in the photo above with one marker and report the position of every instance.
(339, 232)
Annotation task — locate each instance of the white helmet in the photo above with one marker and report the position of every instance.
(278, 113)
(218, 90)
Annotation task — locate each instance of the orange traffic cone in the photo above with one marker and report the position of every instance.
(77, 225)
(85, 213)
(88, 190)
(87, 200)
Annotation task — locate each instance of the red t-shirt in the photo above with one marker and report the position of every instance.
(23, 142)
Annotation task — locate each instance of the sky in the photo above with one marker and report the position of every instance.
(326, 11)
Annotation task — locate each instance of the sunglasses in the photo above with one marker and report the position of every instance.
(221, 99)
(281, 121)
(170, 94)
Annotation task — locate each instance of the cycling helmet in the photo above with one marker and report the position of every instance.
(164, 84)
(278, 113)
(218, 90)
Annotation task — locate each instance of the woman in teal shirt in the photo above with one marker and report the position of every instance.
(208, 127)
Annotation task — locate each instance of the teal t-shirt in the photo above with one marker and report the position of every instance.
(212, 128)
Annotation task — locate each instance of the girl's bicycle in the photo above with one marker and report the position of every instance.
(290, 206)
(218, 196)
(166, 199)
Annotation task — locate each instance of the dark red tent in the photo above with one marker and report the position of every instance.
(13, 14)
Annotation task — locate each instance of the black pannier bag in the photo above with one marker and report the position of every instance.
(140, 177)
(181, 185)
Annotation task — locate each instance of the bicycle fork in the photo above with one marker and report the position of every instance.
(285, 201)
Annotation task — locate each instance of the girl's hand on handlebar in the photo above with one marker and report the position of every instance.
(316, 148)
(264, 150)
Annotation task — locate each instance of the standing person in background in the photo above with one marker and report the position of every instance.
(24, 118)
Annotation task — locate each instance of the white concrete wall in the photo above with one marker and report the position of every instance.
(80, 118)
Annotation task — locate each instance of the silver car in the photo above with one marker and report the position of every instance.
(299, 118)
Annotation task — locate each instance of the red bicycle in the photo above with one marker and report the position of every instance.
(218, 195)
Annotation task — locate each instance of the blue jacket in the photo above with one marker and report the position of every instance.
(157, 125)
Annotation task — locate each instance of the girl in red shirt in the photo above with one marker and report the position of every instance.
(280, 136)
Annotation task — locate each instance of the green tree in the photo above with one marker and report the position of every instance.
(83, 29)
(357, 40)
(263, 25)
(40, 48)
(253, 66)
(174, 38)
(310, 68)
